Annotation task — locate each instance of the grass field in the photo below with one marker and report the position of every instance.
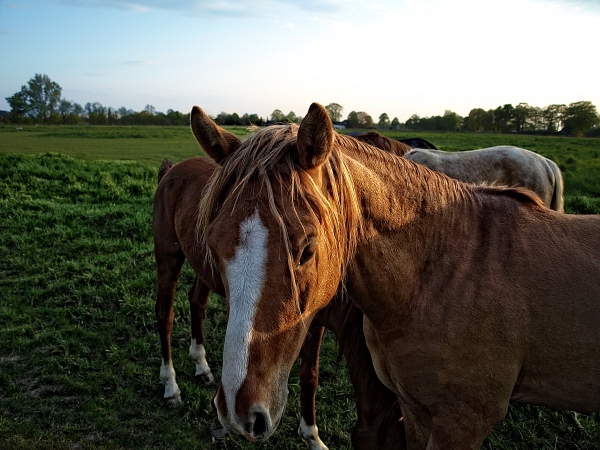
(79, 351)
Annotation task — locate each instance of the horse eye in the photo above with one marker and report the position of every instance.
(307, 254)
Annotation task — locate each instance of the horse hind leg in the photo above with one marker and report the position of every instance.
(168, 269)
(198, 296)
(309, 379)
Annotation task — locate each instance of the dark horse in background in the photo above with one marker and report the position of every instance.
(379, 424)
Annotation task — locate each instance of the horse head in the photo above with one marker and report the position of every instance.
(270, 223)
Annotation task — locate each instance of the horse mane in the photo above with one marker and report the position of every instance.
(269, 156)
(164, 168)
(520, 194)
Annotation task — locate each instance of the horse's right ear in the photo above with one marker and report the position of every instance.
(216, 142)
(315, 137)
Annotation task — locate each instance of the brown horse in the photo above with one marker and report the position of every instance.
(175, 202)
(385, 143)
(502, 165)
(472, 296)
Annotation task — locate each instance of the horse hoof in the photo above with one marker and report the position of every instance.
(217, 430)
(207, 377)
(175, 400)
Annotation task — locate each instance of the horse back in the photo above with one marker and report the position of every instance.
(175, 212)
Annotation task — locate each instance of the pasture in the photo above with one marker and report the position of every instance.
(79, 350)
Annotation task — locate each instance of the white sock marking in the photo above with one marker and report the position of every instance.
(310, 435)
(198, 355)
(245, 274)
(167, 376)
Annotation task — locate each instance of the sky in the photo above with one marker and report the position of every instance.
(400, 57)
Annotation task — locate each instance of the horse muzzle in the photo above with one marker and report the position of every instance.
(258, 426)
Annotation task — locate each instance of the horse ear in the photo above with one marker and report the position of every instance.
(216, 142)
(315, 137)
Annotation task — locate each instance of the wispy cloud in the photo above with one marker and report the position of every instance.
(215, 8)
(218, 8)
(140, 63)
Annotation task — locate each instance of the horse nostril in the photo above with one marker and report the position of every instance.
(259, 427)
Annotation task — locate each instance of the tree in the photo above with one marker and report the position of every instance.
(580, 117)
(277, 116)
(503, 116)
(64, 108)
(395, 125)
(291, 117)
(553, 116)
(335, 111)
(384, 121)
(476, 120)
(38, 99)
(96, 113)
(451, 121)
(43, 96)
(150, 110)
(364, 119)
(521, 113)
(413, 122)
(359, 120)
(19, 106)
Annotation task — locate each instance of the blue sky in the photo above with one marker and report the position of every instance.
(399, 57)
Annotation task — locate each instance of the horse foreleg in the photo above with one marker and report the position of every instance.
(198, 296)
(456, 426)
(168, 270)
(309, 379)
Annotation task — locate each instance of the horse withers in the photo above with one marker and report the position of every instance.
(378, 424)
(472, 296)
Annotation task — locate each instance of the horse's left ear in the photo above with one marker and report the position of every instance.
(216, 142)
(315, 137)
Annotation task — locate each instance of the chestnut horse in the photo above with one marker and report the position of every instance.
(385, 143)
(504, 165)
(378, 423)
(472, 296)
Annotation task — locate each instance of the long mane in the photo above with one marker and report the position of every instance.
(269, 157)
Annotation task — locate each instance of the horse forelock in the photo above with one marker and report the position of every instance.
(269, 158)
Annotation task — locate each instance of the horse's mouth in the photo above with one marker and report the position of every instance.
(219, 432)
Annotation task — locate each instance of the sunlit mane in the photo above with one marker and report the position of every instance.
(269, 157)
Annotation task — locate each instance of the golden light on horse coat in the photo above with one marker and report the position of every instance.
(472, 295)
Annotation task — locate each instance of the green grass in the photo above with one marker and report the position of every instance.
(79, 350)
(136, 143)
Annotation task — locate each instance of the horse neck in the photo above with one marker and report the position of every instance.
(405, 207)
(397, 194)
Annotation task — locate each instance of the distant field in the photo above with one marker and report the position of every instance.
(578, 158)
(142, 143)
(79, 350)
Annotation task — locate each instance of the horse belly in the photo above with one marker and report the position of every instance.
(563, 376)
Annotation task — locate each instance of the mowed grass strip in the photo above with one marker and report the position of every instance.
(79, 351)
(578, 158)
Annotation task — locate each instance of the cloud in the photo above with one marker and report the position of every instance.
(214, 8)
(140, 63)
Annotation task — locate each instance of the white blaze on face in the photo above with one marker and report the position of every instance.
(245, 274)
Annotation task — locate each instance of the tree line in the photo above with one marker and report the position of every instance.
(39, 101)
